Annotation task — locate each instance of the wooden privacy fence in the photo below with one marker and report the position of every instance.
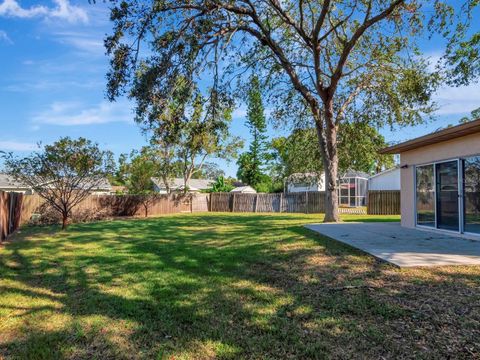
(17, 209)
(305, 202)
(97, 207)
(383, 202)
(10, 213)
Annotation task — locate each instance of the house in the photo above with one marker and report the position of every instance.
(244, 190)
(440, 179)
(301, 182)
(9, 184)
(385, 180)
(177, 185)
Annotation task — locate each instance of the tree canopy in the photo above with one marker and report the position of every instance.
(323, 62)
(358, 150)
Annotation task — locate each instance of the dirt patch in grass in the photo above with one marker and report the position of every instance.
(219, 286)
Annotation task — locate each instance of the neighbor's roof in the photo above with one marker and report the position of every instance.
(244, 189)
(177, 183)
(303, 176)
(384, 172)
(102, 184)
(355, 173)
(8, 182)
(450, 133)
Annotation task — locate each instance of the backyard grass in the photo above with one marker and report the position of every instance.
(214, 286)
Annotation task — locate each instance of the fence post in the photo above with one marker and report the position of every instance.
(256, 202)
(281, 203)
(233, 203)
(306, 201)
(1, 216)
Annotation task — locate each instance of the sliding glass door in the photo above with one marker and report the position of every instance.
(471, 179)
(448, 215)
(448, 195)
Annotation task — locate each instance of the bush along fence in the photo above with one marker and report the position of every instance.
(10, 213)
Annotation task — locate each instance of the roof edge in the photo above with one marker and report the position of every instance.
(449, 133)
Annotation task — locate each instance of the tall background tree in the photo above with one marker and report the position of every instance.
(325, 62)
(63, 173)
(251, 163)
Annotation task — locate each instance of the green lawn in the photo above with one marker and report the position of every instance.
(213, 286)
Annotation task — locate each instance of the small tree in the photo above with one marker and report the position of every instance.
(63, 173)
(221, 185)
(250, 163)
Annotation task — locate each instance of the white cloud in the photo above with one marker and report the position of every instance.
(5, 38)
(459, 100)
(62, 10)
(87, 43)
(47, 85)
(74, 113)
(10, 145)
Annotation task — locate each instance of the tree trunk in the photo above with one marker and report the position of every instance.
(327, 135)
(64, 221)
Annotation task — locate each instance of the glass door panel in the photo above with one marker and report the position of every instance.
(471, 187)
(425, 195)
(447, 195)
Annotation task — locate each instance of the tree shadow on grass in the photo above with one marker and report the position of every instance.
(207, 287)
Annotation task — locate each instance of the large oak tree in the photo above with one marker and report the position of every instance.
(324, 61)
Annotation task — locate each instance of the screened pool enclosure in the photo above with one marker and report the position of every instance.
(352, 188)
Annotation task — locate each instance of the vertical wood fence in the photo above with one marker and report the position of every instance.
(383, 202)
(17, 209)
(10, 213)
(305, 202)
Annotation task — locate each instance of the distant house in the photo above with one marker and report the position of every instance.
(301, 182)
(244, 190)
(9, 184)
(177, 185)
(385, 180)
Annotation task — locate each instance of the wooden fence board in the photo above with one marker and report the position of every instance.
(10, 213)
(383, 202)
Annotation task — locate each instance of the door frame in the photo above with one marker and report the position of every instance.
(460, 194)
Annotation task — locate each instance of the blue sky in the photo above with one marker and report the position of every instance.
(52, 81)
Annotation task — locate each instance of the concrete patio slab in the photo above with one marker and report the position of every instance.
(402, 246)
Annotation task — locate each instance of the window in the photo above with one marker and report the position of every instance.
(472, 194)
(425, 195)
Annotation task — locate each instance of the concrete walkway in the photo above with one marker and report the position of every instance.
(404, 247)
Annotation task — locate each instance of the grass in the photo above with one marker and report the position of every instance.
(219, 286)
